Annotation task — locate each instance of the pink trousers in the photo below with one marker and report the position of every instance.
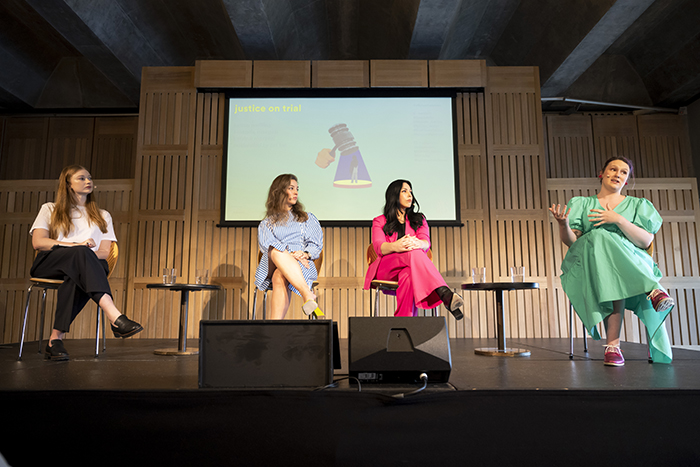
(417, 277)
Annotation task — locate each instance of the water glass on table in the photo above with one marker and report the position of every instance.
(517, 273)
(201, 276)
(169, 276)
(478, 275)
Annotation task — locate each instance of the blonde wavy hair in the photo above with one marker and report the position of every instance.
(64, 203)
(276, 204)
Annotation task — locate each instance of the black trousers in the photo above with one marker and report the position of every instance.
(84, 277)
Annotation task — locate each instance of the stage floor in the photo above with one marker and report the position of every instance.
(132, 365)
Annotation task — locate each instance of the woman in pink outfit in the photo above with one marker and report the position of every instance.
(401, 238)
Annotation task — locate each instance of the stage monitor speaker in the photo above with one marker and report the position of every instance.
(246, 354)
(399, 349)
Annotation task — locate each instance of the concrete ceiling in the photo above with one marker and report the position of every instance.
(88, 54)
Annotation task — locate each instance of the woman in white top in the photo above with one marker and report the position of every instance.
(74, 237)
(290, 239)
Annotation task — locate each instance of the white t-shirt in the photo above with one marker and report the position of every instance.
(82, 229)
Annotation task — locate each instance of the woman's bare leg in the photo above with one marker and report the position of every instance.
(613, 323)
(290, 269)
(279, 302)
(110, 309)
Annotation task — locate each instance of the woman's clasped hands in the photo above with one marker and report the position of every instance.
(604, 216)
(302, 257)
(408, 243)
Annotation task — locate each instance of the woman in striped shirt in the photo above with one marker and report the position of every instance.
(290, 239)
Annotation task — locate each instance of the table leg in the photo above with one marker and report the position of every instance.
(500, 321)
(501, 350)
(182, 336)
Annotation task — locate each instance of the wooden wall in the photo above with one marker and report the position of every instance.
(512, 164)
(39, 147)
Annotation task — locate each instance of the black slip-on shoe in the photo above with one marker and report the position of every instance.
(55, 351)
(123, 327)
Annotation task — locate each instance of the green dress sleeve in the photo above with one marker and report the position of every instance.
(577, 206)
(647, 217)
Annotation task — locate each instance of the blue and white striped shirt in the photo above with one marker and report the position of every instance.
(290, 236)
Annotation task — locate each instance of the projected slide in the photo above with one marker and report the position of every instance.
(345, 152)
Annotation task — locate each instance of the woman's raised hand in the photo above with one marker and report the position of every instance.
(561, 215)
(603, 216)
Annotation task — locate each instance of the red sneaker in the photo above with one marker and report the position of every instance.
(613, 356)
(660, 300)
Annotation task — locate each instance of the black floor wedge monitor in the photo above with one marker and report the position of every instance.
(248, 354)
(398, 350)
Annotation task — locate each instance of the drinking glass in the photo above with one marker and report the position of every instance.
(169, 275)
(201, 276)
(478, 275)
(517, 273)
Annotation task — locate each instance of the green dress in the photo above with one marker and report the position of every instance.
(603, 265)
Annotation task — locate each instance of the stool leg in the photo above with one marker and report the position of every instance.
(376, 302)
(43, 311)
(24, 322)
(255, 301)
(571, 331)
(104, 336)
(585, 339)
(264, 310)
(100, 324)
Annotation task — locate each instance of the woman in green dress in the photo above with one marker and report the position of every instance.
(607, 268)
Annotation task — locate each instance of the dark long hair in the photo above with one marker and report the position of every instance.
(391, 207)
(276, 204)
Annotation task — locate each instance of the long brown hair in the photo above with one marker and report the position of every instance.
(276, 204)
(64, 203)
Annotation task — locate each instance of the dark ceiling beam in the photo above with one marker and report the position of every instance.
(677, 78)
(431, 28)
(103, 34)
(476, 28)
(343, 29)
(386, 28)
(273, 30)
(184, 31)
(22, 80)
(611, 26)
(252, 26)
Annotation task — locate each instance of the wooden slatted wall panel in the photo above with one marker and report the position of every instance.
(39, 147)
(225, 252)
(664, 147)
(517, 183)
(69, 142)
(457, 250)
(19, 204)
(663, 152)
(570, 146)
(24, 148)
(161, 215)
(615, 135)
(114, 147)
